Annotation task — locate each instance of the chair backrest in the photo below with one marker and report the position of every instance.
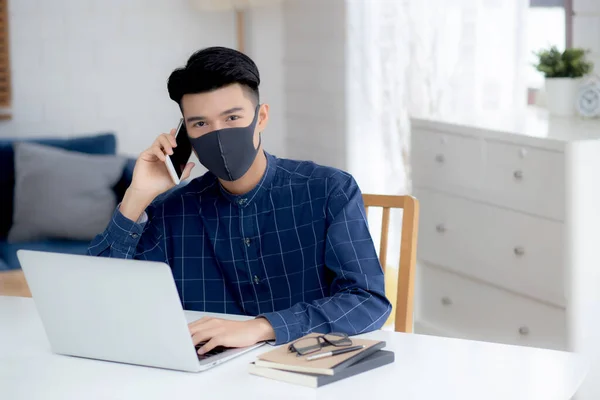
(403, 319)
(13, 283)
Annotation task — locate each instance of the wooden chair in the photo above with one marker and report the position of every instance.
(13, 283)
(403, 319)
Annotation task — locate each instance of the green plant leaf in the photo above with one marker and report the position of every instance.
(571, 63)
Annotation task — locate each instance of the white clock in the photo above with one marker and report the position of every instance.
(588, 98)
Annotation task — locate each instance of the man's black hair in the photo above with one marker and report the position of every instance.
(213, 68)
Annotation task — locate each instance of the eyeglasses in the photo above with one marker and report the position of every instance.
(314, 344)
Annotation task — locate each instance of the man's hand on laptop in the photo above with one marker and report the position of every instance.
(227, 333)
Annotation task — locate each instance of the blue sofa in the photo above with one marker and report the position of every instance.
(103, 143)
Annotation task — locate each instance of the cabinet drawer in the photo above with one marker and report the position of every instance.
(480, 312)
(446, 161)
(509, 249)
(526, 179)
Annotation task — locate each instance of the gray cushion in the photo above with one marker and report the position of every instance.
(62, 194)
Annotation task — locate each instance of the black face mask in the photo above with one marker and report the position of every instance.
(228, 153)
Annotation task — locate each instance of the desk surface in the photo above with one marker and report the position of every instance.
(426, 367)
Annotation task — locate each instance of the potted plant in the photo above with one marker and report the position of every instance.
(563, 72)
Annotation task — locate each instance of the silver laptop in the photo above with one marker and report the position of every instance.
(117, 310)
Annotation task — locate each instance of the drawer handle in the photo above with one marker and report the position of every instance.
(522, 153)
(518, 174)
(524, 331)
(440, 228)
(519, 251)
(447, 301)
(439, 158)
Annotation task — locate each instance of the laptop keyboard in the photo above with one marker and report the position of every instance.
(213, 352)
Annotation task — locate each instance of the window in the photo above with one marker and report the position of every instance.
(5, 85)
(548, 24)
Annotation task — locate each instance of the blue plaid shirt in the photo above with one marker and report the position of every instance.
(295, 250)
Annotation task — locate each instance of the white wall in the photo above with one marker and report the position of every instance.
(333, 89)
(586, 28)
(265, 46)
(314, 67)
(82, 66)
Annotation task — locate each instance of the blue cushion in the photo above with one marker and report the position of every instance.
(105, 143)
(3, 266)
(8, 251)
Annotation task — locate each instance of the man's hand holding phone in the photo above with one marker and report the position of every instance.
(151, 177)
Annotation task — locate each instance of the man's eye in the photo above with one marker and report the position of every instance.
(233, 118)
(200, 123)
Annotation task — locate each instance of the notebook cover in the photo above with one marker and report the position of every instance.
(375, 360)
(281, 358)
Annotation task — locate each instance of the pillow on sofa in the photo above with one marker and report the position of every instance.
(62, 194)
(103, 143)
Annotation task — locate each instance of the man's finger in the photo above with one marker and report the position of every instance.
(171, 137)
(201, 321)
(148, 155)
(173, 132)
(187, 171)
(204, 335)
(158, 152)
(165, 143)
(204, 327)
(212, 343)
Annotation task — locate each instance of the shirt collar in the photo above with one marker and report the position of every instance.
(264, 185)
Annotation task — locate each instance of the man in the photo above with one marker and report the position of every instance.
(282, 240)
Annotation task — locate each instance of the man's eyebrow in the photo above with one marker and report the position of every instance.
(194, 119)
(226, 112)
(232, 110)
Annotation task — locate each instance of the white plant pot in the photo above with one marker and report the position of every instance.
(561, 95)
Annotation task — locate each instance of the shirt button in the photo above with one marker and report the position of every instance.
(134, 235)
(256, 280)
(247, 241)
(241, 202)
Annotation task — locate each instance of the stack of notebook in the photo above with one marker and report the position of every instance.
(282, 365)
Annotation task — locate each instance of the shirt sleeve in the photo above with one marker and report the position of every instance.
(357, 303)
(124, 238)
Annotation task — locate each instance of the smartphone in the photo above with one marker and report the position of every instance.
(177, 161)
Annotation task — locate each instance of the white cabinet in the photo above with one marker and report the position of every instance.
(515, 251)
(447, 161)
(509, 232)
(525, 178)
(473, 310)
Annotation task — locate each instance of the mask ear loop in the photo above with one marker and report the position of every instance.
(259, 141)
(259, 133)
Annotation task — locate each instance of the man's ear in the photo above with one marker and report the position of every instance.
(263, 117)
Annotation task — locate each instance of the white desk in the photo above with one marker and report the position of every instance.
(426, 367)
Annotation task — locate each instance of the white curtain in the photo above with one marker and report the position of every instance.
(436, 58)
(439, 58)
